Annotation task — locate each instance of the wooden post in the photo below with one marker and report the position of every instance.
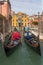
(3, 30)
(38, 25)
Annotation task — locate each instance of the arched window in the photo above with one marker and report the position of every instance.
(25, 24)
(13, 20)
(22, 24)
(16, 24)
(28, 24)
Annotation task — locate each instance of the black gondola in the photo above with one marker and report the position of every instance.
(9, 49)
(33, 43)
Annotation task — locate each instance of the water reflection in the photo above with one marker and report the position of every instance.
(35, 59)
(24, 55)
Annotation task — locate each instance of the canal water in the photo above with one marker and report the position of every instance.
(23, 55)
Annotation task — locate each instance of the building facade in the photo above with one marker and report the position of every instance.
(20, 18)
(5, 8)
(41, 23)
(5, 11)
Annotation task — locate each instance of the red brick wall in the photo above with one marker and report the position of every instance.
(4, 9)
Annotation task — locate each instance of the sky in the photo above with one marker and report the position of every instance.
(29, 7)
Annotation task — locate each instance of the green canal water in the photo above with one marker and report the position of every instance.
(23, 55)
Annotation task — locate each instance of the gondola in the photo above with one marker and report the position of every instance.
(10, 48)
(34, 43)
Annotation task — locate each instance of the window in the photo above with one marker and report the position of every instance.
(28, 24)
(25, 24)
(16, 24)
(13, 19)
(22, 24)
(17, 20)
(13, 24)
(22, 20)
(25, 20)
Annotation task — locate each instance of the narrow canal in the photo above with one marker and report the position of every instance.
(23, 55)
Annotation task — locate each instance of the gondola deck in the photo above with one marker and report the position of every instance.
(36, 47)
(9, 50)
